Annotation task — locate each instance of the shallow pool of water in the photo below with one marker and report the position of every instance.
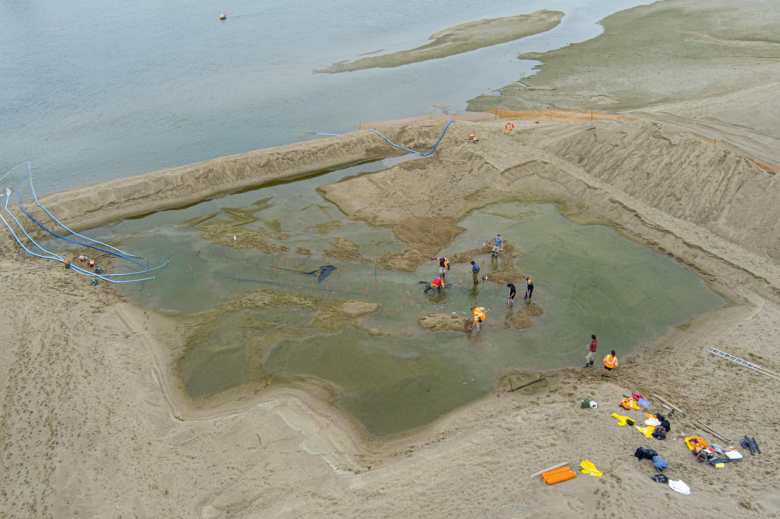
(386, 370)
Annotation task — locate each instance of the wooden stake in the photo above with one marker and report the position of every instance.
(559, 465)
(697, 424)
(513, 389)
(667, 403)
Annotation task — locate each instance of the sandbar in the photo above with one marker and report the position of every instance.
(461, 38)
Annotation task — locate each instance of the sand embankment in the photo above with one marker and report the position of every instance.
(461, 38)
(182, 186)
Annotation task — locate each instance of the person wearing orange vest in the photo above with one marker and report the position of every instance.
(611, 361)
(478, 316)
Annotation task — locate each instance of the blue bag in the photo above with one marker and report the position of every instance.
(660, 463)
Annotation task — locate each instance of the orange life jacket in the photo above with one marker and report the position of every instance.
(610, 361)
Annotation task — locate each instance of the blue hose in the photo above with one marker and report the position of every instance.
(52, 256)
(65, 227)
(51, 233)
(405, 149)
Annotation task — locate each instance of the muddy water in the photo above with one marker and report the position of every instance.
(249, 318)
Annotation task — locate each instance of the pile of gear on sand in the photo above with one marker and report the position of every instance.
(636, 413)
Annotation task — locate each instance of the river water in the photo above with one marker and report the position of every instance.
(91, 91)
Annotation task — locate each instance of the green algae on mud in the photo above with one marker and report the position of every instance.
(458, 39)
(228, 346)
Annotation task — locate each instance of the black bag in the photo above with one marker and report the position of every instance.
(664, 422)
(644, 453)
(659, 478)
(659, 433)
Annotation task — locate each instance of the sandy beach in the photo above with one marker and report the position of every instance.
(94, 421)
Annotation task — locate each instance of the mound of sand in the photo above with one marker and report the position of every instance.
(423, 237)
(343, 249)
(358, 308)
(443, 322)
(521, 316)
(458, 39)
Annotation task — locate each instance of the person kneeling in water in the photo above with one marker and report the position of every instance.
(437, 283)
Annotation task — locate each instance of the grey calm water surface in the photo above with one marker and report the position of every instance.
(92, 91)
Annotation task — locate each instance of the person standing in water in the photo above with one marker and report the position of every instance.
(475, 272)
(529, 288)
(444, 266)
(478, 316)
(594, 344)
(611, 361)
(498, 246)
(512, 294)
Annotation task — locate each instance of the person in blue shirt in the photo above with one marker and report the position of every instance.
(475, 272)
(498, 246)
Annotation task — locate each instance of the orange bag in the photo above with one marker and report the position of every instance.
(559, 475)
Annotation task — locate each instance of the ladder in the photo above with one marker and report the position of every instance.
(742, 362)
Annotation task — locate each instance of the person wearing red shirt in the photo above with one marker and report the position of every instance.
(594, 345)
